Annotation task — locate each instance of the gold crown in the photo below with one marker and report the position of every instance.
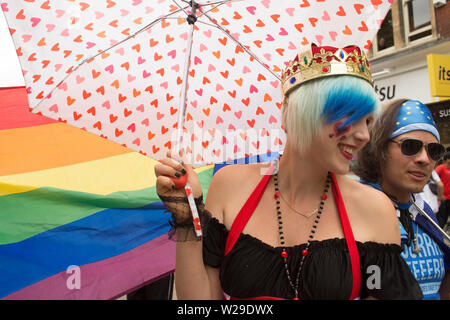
(320, 62)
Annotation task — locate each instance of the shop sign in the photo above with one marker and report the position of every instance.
(439, 74)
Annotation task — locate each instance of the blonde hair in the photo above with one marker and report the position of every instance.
(322, 101)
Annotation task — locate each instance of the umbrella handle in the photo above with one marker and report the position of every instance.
(194, 211)
(180, 183)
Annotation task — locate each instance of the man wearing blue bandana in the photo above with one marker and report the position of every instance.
(399, 160)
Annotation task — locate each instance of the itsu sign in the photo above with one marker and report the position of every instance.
(411, 85)
(444, 114)
(385, 92)
(440, 111)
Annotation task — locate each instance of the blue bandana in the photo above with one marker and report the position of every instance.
(414, 115)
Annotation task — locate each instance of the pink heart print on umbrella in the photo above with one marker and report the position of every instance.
(158, 75)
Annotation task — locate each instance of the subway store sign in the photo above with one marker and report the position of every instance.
(439, 74)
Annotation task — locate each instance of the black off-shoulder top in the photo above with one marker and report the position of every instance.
(253, 268)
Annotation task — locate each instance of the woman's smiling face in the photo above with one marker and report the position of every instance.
(336, 146)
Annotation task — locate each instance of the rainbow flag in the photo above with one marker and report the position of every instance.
(75, 204)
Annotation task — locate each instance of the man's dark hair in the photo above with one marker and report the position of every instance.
(446, 156)
(374, 154)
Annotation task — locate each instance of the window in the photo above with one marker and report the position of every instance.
(417, 15)
(408, 23)
(385, 36)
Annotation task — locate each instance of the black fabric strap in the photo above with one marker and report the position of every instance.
(406, 221)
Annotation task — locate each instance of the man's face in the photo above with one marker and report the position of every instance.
(403, 175)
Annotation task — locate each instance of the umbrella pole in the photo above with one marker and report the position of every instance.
(191, 19)
(423, 213)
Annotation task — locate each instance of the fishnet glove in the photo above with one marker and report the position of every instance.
(182, 222)
(172, 174)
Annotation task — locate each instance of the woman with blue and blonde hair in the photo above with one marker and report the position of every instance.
(295, 228)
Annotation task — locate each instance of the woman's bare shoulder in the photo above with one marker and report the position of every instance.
(230, 176)
(231, 185)
(369, 194)
(373, 209)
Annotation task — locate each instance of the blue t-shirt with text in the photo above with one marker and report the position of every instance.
(428, 265)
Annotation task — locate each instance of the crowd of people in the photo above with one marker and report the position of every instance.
(303, 229)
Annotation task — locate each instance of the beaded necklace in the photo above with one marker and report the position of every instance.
(284, 254)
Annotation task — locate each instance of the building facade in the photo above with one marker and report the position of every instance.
(414, 34)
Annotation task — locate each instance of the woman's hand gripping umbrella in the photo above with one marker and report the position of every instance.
(179, 188)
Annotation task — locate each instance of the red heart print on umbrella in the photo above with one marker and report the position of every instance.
(149, 75)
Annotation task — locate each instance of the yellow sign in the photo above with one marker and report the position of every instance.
(439, 74)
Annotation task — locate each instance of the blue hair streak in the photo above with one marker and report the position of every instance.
(348, 96)
(323, 101)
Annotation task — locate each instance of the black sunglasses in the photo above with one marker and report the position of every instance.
(411, 147)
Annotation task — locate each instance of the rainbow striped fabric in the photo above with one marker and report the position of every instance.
(70, 199)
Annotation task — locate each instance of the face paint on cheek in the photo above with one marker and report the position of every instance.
(340, 131)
